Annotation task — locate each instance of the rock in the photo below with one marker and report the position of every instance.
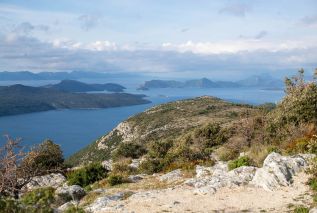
(278, 170)
(135, 178)
(51, 180)
(313, 210)
(171, 176)
(73, 192)
(66, 206)
(102, 203)
(107, 164)
(219, 177)
(202, 171)
(135, 163)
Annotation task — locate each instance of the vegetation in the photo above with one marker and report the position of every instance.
(38, 200)
(129, 150)
(46, 156)
(242, 161)
(87, 175)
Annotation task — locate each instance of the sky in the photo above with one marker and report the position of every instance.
(206, 38)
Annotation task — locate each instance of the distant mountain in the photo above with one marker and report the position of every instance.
(77, 86)
(26, 75)
(18, 99)
(258, 81)
(264, 81)
(197, 83)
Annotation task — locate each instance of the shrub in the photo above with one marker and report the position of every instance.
(129, 150)
(301, 209)
(38, 200)
(151, 166)
(115, 179)
(45, 156)
(159, 149)
(242, 161)
(226, 153)
(87, 175)
(74, 209)
(211, 135)
(8, 205)
(123, 167)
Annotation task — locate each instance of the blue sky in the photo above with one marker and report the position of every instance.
(176, 37)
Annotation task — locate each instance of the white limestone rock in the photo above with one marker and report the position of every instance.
(51, 180)
(279, 170)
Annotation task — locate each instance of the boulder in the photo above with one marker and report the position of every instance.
(171, 176)
(313, 210)
(102, 203)
(279, 170)
(135, 178)
(51, 180)
(219, 177)
(135, 163)
(202, 171)
(73, 192)
(66, 206)
(107, 164)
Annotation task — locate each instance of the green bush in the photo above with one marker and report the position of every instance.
(87, 175)
(301, 209)
(226, 153)
(116, 179)
(123, 167)
(242, 161)
(129, 150)
(159, 149)
(38, 200)
(211, 135)
(8, 205)
(151, 166)
(74, 209)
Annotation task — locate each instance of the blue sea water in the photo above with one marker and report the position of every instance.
(74, 129)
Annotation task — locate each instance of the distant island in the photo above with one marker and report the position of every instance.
(77, 86)
(19, 99)
(260, 81)
(27, 75)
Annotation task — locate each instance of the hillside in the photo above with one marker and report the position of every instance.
(18, 99)
(166, 121)
(77, 86)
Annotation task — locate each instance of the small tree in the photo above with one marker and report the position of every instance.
(46, 156)
(14, 174)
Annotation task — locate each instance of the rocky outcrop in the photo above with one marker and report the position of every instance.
(171, 176)
(51, 180)
(73, 192)
(66, 206)
(279, 170)
(210, 179)
(101, 204)
(107, 164)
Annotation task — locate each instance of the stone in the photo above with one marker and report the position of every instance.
(135, 163)
(51, 180)
(171, 176)
(135, 178)
(102, 203)
(74, 192)
(66, 206)
(210, 179)
(107, 164)
(313, 210)
(278, 170)
(202, 171)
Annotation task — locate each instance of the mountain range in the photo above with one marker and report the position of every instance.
(257, 81)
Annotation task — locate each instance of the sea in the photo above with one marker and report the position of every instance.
(75, 129)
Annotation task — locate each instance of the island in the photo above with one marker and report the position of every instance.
(19, 99)
(77, 86)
